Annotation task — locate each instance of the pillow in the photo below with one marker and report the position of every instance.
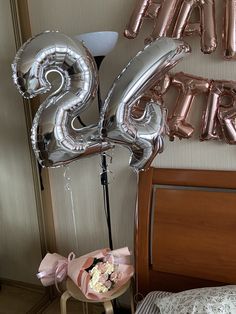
(147, 305)
(216, 300)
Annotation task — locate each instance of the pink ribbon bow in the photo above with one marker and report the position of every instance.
(53, 269)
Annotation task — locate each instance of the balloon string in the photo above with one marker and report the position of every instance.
(69, 192)
(74, 221)
(62, 81)
(107, 170)
(81, 121)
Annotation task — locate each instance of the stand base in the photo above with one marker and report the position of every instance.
(121, 310)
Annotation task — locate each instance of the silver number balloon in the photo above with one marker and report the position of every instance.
(143, 136)
(54, 138)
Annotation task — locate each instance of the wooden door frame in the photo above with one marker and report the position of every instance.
(43, 198)
(22, 32)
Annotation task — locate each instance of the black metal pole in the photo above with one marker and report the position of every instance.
(104, 183)
(104, 177)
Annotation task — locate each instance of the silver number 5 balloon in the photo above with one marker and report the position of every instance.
(54, 138)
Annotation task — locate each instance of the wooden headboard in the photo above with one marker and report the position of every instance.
(185, 229)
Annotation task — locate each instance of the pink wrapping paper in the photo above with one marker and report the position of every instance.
(54, 268)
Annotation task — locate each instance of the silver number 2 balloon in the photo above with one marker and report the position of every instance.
(142, 135)
(54, 138)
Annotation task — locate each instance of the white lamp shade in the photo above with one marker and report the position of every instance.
(99, 43)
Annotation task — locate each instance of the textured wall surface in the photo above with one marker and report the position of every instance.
(80, 224)
(19, 235)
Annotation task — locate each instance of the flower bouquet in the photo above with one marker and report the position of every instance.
(98, 274)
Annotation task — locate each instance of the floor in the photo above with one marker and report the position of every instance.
(73, 307)
(14, 300)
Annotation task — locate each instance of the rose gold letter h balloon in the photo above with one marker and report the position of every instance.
(136, 18)
(164, 19)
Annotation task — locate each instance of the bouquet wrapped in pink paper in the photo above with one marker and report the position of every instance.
(98, 274)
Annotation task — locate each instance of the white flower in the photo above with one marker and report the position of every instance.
(95, 275)
(99, 272)
(109, 268)
(100, 288)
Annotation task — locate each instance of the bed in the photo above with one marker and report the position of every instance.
(185, 232)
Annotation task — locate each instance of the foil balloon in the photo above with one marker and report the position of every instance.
(189, 87)
(227, 119)
(162, 14)
(163, 20)
(136, 18)
(54, 138)
(206, 25)
(192, 29)
(172, 18)
(216, 109)
(229, 30)
(143, 9)
(157, 92)
(143, 135)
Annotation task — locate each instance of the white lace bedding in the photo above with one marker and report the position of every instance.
(210, 300)
(148, 306)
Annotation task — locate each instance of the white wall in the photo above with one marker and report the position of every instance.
(73, 17)
(20, 252)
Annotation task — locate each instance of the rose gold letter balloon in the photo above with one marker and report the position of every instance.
(210, 123)
(227, 119)
(229, 32)
(207, 22)
(136, 18)
(164, 19)
(162, 14)
(189, 86)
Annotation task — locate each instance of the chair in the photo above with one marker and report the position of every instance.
(73, 291)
